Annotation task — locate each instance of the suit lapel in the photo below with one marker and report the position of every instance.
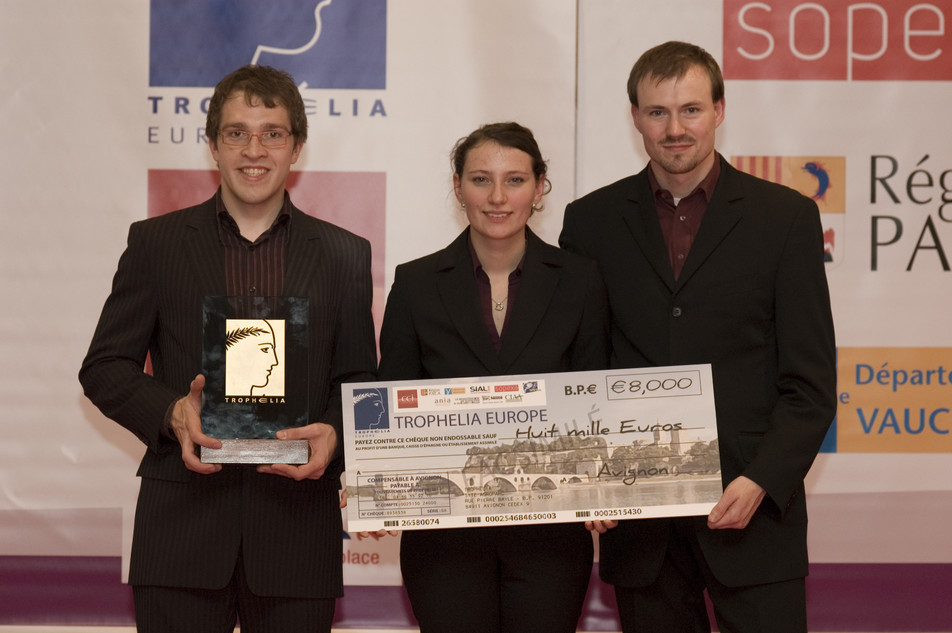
(641, 218)
(203, 247)
(722, 214)
(457, 290)
(303, 257)
(540, 278)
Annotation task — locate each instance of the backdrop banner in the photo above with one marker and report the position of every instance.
(105, 104)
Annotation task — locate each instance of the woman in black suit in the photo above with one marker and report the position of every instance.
(497, 300)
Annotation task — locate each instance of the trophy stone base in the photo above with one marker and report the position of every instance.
(257, 452)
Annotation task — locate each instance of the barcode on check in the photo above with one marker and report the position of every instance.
(583, 513)
(387, 524)
(474, 519)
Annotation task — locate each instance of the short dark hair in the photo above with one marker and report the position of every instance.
(673, 60)
(507, 134)
(271, 86)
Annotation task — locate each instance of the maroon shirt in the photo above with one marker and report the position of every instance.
(485, 296)
(251, 268)
(680, 223)
(254, 268)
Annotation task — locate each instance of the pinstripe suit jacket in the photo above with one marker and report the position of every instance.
(189, 527)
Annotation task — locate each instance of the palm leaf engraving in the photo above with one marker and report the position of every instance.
(241, 333)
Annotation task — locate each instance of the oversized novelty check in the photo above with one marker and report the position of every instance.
(545, 448)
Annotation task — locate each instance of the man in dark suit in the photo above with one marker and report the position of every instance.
(705, 264)
(211, 541)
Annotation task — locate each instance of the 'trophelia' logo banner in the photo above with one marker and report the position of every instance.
(883, 40)
(325, 44)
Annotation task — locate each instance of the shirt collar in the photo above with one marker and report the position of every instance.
(227, 222)
(477, 265)
(706, 186)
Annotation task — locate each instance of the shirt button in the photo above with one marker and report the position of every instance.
(252, 290)
(683, 218)
(676, 312)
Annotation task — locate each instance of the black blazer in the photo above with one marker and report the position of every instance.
(189, 527)
(433, 325)
(753, 301)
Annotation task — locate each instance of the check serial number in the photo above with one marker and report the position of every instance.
(418, 522)
(532, 516)
(617, 512)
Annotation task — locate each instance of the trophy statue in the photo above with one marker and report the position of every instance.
(254, 359)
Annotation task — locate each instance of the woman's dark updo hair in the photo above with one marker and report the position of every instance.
(506, 134)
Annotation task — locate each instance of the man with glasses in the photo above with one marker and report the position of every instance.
(212, 542)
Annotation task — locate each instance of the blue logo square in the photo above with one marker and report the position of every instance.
(370, 409)
(324, 44)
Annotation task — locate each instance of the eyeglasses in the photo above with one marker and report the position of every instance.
(237, 137)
